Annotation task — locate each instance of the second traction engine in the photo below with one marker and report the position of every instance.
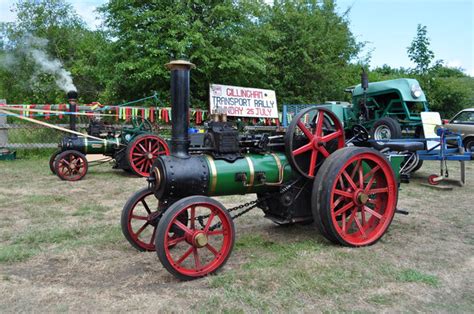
(302, 175)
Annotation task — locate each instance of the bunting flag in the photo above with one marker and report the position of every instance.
(125, 113)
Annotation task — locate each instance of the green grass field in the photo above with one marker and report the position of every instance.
(61, 249)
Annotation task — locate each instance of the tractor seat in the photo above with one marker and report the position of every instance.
(401, 146)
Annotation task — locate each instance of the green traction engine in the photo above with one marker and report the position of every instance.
(300, 175)
(132, 149)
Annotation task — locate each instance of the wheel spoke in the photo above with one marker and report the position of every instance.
(351, 219)
(319, 124)
(143, 148)
(146, 207)
(175, 241)
(323, 151)
(139, 217)
(178, 224)
(185, 255)
(193, 217)
(152, 239)
(344, 208)
(369, 184)
(361, 229)
(305, 130)
(372, 212)
(197, 263)
(212, 249)
(141, 229)
(302, 149)
(215, 232)
(361, 176)
(209, 220)
(343, 193)
(380, 190)
(349, 179)
(331, 136)
(312, 163)
(354, 170)
(371, 172)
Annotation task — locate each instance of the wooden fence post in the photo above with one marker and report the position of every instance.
(3, 129)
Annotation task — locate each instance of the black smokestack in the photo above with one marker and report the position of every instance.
(72, 99)
(180, 73)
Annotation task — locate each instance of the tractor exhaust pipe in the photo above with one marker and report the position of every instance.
(180, 74)
(72, 100)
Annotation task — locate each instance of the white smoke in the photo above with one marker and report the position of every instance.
(35, 49)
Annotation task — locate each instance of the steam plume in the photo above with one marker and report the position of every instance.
(35, 49)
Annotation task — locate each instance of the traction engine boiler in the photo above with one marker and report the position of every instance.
(301, 175)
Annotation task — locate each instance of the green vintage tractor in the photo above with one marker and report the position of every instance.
(389, 109)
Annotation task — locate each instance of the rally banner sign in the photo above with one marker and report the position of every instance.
(243, 101)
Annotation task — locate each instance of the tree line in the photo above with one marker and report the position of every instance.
(303, 49)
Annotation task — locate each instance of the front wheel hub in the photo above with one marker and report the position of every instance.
(200, 240)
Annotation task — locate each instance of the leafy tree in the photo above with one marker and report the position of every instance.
(309, 51)
(419, 51)
(215, 35)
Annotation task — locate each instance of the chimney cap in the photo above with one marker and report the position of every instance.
(180, 65)
(72, 94)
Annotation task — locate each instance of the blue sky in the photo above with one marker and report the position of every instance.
(388, 27)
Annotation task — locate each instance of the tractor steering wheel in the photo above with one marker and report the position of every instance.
(142, 124)
(360, 133)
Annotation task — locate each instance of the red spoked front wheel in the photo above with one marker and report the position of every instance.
(354, 196)
(140, 217)
(139, 220)
(142, 152)
(206, 242)
(70, 165)
(312, 136)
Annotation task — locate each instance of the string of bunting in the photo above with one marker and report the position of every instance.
(126, 113)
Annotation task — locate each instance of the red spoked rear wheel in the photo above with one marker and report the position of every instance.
(206, 241)
(70, 165)
(355, 196)
(312, 136)
(142, 152)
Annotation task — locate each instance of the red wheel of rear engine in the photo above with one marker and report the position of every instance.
(206, 241)
(355, 196)
(70, 165)
(140, 217)
(142, 152)
(312, 136)
(432, 181)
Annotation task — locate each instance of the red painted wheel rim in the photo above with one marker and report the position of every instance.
(363, 199)
(142, 222)
(184, 252)
(317, 138)
(144, 151)
(72, 167)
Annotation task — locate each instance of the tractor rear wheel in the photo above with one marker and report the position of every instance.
(385, 129)
(71, 165)
(354, 196)
(142, 151)
(206, 242)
